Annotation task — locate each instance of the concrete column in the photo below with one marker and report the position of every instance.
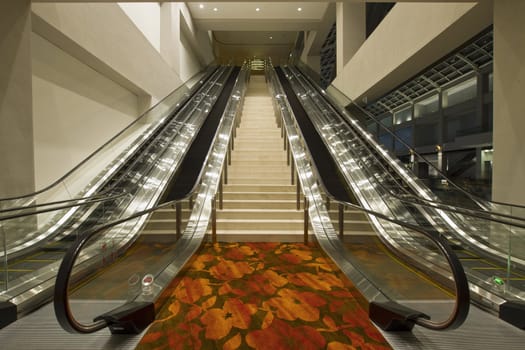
(170, 34)
(351, 31)
(16, 111)
(509, 104)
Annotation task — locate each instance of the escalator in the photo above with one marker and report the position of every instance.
(377, 269)
(132, 185)
(497, 287)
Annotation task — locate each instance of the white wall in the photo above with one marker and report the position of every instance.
(186, 50)
(189, 62)
(16, 130)
(103, 36)
(509, 104)
(146, 16)
(76, 110)
(411, 37)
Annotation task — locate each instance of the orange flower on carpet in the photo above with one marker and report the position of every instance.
(219, 322)
(227, 270)
(239, 253)
(190, 290)
(200, 261)
(292, 305)
(226, 288)
(281, 336)
(323, 264)
(321, 281)
(335, 345)
(265, 283)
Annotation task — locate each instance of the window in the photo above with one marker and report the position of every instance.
(403, 116)
(462, 92)
(427, 106)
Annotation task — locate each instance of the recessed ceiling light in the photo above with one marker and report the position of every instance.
(201, 6)
(299, 9)
(215, 9)
(271, 37)
(257, 9)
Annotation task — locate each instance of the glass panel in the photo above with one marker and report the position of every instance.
(387, 121)
(395, 265)
(403, 116)
(491, 82)
(405, 134)
(372, 128)
(462, 92)
(386, 140)
(114, 268)
(426, 106)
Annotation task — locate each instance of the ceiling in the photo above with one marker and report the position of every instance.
(257, 28)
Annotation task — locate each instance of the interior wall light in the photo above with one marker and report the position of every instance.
(215, 9)
(299, 9)
(257, 9)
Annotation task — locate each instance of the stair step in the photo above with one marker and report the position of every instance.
(257, 214)
(258, 188)
(259, 196)
(260, 204)
(260, 180)
(261, 225)
(257, 236)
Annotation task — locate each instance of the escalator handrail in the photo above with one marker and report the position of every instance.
(462, 297)
(61, 296)
(476, 213)
(186, 97)
(79, 202)
(343, 112)
(70, 204)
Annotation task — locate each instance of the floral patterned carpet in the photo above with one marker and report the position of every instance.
(262, 296)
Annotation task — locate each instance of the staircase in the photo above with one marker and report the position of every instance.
(259, 201)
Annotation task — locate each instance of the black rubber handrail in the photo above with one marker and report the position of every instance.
(186, 97)
(61, 295)
(342, 112)
(462, 296)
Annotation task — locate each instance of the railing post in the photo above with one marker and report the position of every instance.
(225, 174)
(305, 220)
(298, 193)
(288, 156)
(293, 172)
(229, 154)
(213, 220)
(341, 220)
(220, 194)
(178, 219)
